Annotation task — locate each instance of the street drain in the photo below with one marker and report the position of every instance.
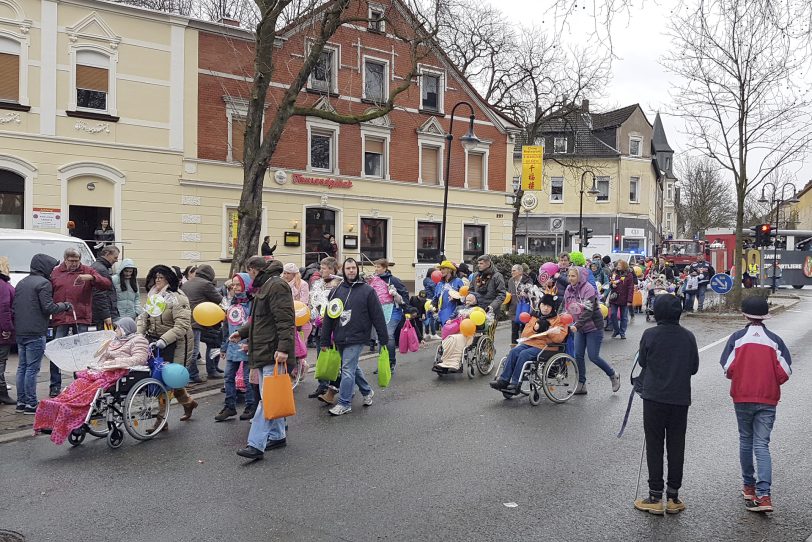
(11, 536)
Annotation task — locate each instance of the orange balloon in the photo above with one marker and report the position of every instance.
(467, 327)
(463, 291)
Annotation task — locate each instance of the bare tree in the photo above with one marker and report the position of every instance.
(738, 62)
(706, 200)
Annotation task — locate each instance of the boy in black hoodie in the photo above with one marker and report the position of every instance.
(669, 357)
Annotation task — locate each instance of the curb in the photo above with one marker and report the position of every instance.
(775, 309)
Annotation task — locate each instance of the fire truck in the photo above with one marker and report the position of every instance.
(682, 252)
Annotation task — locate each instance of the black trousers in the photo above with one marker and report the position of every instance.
(664, 423)
(515, 330)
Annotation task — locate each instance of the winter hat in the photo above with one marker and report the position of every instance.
(290, 267)
(244, 280)
(168, 274)
(548, 300)
(756, 308)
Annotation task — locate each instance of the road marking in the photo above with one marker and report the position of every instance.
(711, 345)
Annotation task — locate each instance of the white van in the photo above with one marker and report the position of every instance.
(19, 246)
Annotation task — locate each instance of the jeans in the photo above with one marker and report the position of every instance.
(211, 361)
(590, 342)
(663, 422)
(515, 361)
(755, 424)
(430, 323)
(59, 332)
(700, 294)
(690, 297)
(31, 350)
(619, 325)
(263, 430)
(351, 374)
(232, 367)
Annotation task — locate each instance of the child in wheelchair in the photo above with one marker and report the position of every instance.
(543, 334)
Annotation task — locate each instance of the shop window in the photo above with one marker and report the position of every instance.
(428, 242)
(323, 76)
(476, 170)
(9, 70)
(430, 165)
(557, 189)
(543, 246)
(373, 238)
(12, 193)
(321, 150)
(92, 80)
(634, 190)
(633, 245)
(603, 188)
(374, 157)
(430, 91)
(318, 221)
(473, 242)
(237, 143)
(375, 88)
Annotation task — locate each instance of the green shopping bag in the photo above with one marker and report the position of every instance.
(328, 364)
(384, 370)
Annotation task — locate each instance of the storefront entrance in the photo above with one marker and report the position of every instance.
(318, 220)
(12, 194)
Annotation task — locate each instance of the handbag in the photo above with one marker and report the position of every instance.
(328, 364)
(384, 370)
(277, 393)
(408, 338)
(521, 306)
(414, 341)
(301, 345)
(212, 336)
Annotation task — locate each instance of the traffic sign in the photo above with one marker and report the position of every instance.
(721, 283)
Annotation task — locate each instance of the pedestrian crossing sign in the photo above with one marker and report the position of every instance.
(532, 167)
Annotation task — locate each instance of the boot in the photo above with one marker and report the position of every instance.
(4, 397)
(158, 421)
(329, 397)
(187, 410)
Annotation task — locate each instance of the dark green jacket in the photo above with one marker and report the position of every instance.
(272, 323)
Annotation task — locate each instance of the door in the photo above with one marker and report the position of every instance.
(318, 221)
(87, 219)
(12, 204)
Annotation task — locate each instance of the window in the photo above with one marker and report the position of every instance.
(632, 245)
(476, 170)
(9, 70)
(321, 151)
(603, 188)
(92, 80)
(430, 92)
(669, 192)
(668, 221)
(323, 76)
(376, 20)
(12, 195)
(428, 242)
(634, 190)
(374, 157)
(473, 242)
(373, 238)
(635, 146)
(557, 189)
(374, 81)
(430, 165)
(668, 163)
(560, 145)
(237, 142)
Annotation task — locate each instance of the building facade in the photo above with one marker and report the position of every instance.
(616, 149)
(137, 117)
(664, 158)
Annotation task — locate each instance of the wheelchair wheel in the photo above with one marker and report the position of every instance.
(471, 362)
(297, 378)
(485, 354)
(535, 395)
(115, 438)
(97, 424)
(145, 409)
(559, 378)
(77, 436)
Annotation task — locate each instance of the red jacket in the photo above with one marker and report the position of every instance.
(758, 362)
(80, 296)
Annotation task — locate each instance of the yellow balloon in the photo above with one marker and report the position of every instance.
(208, 314)
(477, 317)
(302, 313)
(604, 310)
(464, 291)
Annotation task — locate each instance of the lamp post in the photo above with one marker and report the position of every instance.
(777, 202)
(592, 192)
(469, 141)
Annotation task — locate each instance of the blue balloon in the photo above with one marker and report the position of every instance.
(175, 376)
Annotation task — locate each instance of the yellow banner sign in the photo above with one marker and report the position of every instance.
(532, 165)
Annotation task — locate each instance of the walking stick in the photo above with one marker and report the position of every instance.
(640, 471)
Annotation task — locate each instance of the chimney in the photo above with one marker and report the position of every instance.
(585, 105)
(228, 21)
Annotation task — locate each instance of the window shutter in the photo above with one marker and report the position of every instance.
(237, 139)
(429, 170)
(9, 77)
(91, 78)
(374, 145)
(475, 170)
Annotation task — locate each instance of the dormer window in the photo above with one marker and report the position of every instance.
(376, 19)
(635, 146)
(560, 145)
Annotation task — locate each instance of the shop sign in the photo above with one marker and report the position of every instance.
(320, 181)
(47, 218)
(532, 167)
(635, 232)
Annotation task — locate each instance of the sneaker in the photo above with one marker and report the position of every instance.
(53, 393)
(225, 414)
(760, 504)
(749, 493)
(674, 505)
(499, 384)
(368, 398)
(339, 409)
(615, 378)
(580, 389)
(20, 409)
(249, 452)
(248, 413)
(30, 409)
(650, 505)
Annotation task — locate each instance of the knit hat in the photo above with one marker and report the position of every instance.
(756, 308)
(548, 300)
(290, 267)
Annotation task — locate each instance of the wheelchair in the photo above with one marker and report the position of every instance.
(136, 401)
(477, 357)
(555, 375)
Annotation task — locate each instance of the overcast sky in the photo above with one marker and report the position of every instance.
(639, 42)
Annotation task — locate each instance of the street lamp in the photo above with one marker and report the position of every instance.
(593, 191)
(469, 142)
(777, 202)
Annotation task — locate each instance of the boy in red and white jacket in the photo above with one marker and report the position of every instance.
(757, 362)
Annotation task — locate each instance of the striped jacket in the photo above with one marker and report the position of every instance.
(758, 362)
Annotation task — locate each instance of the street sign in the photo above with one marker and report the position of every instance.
(532, 156)
(556, 225)
(721, 283)
(529, 202)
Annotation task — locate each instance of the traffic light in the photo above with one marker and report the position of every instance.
(567, 240)
(586, 235)
(617, 240)
(763, 232)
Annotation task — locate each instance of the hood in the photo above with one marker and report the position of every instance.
(583, 288)
(274, 268)
(127, 264)
(246, 281)
(127, 325)
(667, 309)
(206, 272)
(43, 265)
(358, 280)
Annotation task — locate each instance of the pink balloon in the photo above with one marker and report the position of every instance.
(565, 318)
(436, 276)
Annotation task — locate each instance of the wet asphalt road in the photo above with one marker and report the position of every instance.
(432, 459)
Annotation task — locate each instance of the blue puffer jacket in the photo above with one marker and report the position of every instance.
(235, 320)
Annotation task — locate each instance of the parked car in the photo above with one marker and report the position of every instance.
(21, 245)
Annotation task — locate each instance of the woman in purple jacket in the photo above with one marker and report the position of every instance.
(581, 301)
(621, 295)
(6, 327)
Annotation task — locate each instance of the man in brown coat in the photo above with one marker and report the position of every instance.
(270, 333)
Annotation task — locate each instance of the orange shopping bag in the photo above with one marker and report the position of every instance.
(277, 394)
